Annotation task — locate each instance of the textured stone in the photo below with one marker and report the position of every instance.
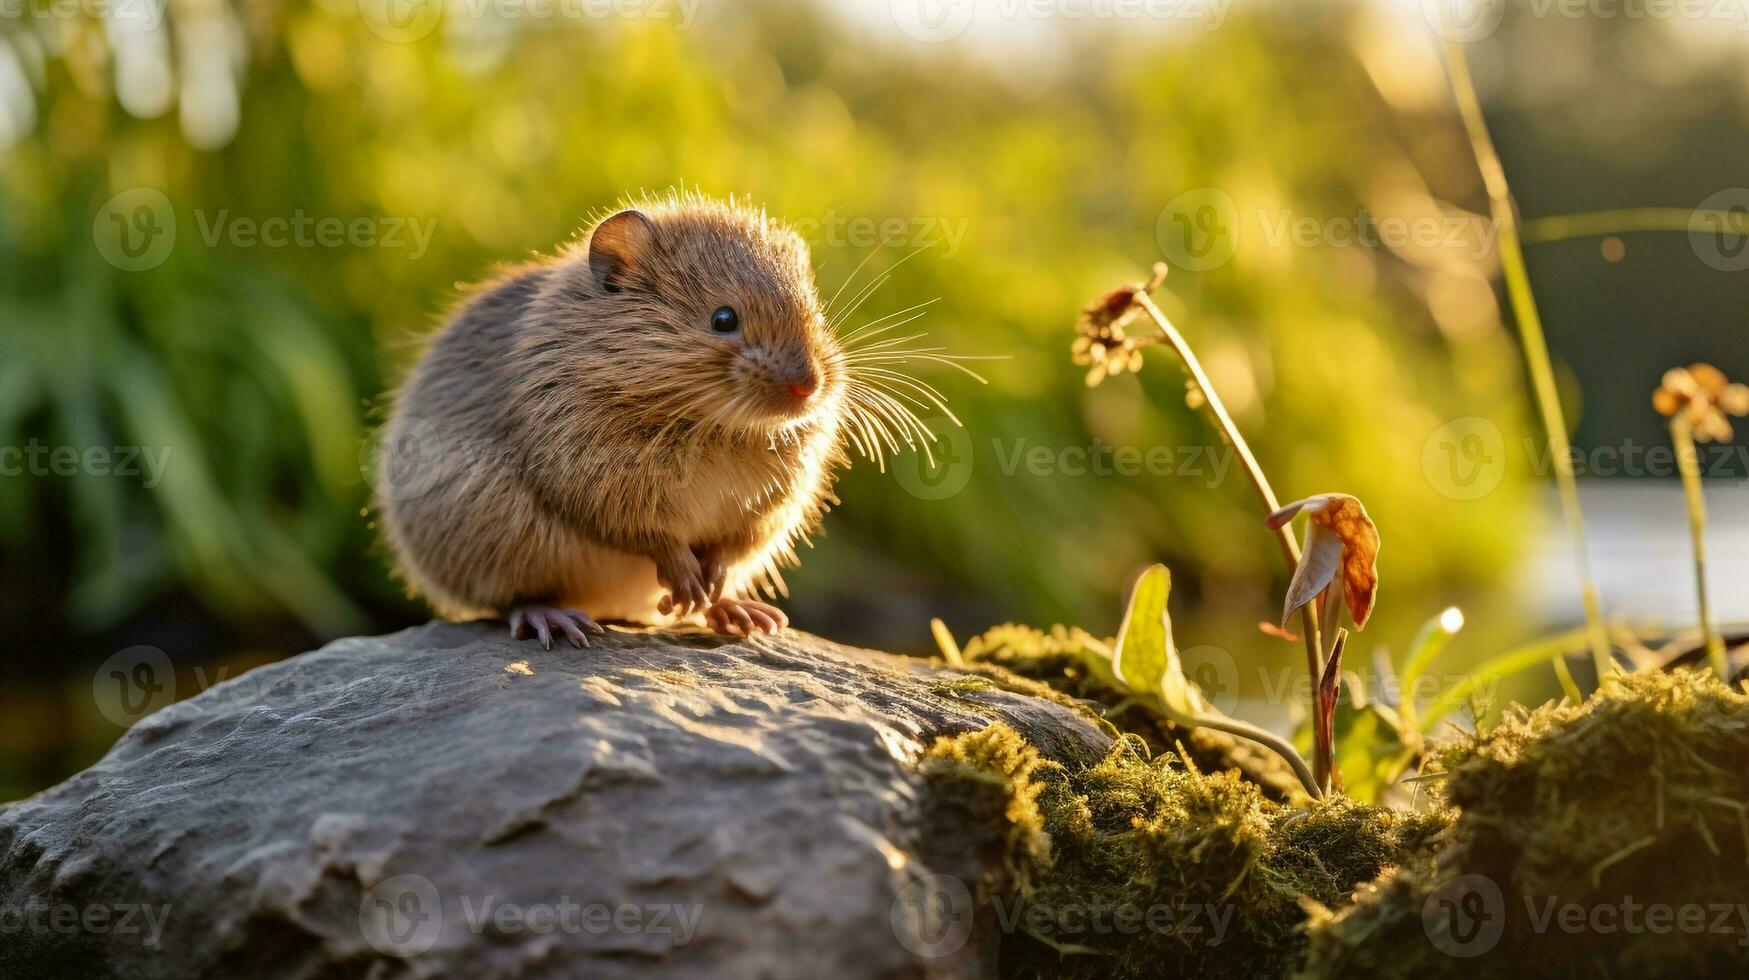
(445, 802)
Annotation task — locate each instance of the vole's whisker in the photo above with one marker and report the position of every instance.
(862, 343)
(865, 331)
(848, 280)
(873, 429)
(920, 395)
(881, 280)
(863, 295)
(877, 423)
(881, 345)
(915, 433)
(951, 360)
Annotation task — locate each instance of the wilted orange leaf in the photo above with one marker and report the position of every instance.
(1341, 537)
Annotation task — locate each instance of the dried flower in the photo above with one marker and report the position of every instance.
(1339, 535)
(1703, 392)
(1105, 343)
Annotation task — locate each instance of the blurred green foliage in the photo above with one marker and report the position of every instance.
(1034, 187)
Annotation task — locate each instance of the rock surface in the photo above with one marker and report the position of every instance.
(444, 802)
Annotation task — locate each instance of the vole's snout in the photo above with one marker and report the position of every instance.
(794, 372)
(789, 379)
(805, 383)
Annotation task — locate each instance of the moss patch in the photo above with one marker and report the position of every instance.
(1609, 839)
(1057, 661)
(1142, 866)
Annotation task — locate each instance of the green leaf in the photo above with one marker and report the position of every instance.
(1429, 641)
(1146, 633)
(1146, 660)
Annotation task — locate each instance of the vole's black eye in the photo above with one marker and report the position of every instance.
(725, 320)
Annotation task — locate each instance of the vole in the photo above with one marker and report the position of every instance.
(639, 429)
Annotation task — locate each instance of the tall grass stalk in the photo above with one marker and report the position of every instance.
(1536, 347)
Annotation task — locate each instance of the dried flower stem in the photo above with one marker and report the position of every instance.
(1536, 346)
(1688, 463)
(1230, 432)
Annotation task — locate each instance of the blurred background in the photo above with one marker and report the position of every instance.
(225, 227)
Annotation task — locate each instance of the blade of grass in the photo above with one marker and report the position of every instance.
(1505, 665)
(1587, 224)
(1536, 347)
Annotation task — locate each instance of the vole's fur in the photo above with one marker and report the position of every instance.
(578, 437)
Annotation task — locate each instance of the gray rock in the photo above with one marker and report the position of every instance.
(444, 802)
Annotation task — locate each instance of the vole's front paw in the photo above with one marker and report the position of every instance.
(740, 617)
(575, 624)
(683, 577)
(714, 567)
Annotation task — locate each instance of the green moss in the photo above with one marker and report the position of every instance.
(1573, 824)
(1141, 866)
(1058, 661)
(985, 785)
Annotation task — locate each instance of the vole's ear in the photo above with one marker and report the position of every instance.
(617, 246)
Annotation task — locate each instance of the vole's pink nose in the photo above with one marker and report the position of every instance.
(802, 389)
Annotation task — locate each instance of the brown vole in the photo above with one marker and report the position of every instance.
(639, 429)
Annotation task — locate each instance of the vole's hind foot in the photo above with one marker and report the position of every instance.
(543, 620)
(740, 617)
